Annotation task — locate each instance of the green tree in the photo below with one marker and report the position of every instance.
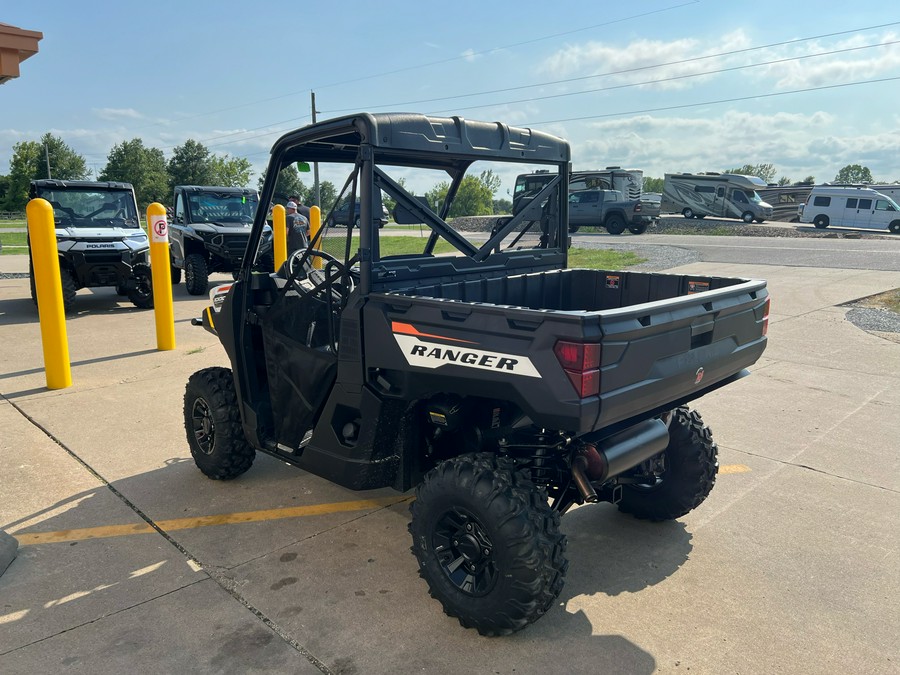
(230, 171)
(327, 193)
(29, 162)
(502, 206)
(854, 173)
(191, 164)
(475, 196)
(809, 179)
(145, 168)
(764, 171)
(653, 184)
(288, 184)
(784, 180)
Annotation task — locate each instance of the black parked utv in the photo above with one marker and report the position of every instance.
(502, 386)
(209, 232)
(99, 239)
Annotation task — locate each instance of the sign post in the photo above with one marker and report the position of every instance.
(160, 267)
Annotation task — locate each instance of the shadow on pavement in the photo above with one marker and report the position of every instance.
(75, 364)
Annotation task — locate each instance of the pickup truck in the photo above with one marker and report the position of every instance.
(501, 385)
(209, 232)
(610, 209)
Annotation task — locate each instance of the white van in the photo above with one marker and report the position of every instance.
(851, 207)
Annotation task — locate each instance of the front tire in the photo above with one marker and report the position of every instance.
(488, 544)
(747, 217)
(691, 465)
(141, 295)
(212, 422)
(688, 213)
(821, 222)
(196, 274)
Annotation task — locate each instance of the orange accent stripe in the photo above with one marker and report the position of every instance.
(409, 329)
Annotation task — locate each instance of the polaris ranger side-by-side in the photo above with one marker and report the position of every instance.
(502, 386)
(209, 232)
(99, 239)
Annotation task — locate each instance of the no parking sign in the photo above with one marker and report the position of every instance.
(159, 229)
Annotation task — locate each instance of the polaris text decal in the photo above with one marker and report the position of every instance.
(434, 355)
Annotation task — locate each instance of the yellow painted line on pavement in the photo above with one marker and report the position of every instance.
(106, 531)
(30, 538)
(734, 468)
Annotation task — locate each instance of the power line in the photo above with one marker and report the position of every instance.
(625, 71)
(723, 100)
(681, 77)
(423, 65)
(504, 47)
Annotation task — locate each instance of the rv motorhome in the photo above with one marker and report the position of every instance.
(724, 195)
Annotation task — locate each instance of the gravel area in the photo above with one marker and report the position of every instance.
(13, 275)
(874, 320)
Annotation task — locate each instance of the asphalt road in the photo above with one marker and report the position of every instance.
(827, 253)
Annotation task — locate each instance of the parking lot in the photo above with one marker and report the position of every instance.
(130, 559)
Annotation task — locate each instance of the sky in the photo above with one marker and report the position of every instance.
(663, 86)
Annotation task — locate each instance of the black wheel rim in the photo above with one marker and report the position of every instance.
(465, 552)
(203, 426)
(144, 286)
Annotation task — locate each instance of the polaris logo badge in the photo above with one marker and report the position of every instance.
(100, 246)
(434, 355)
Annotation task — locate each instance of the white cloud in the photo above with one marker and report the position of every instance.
(798, 144)
(470, 55)
(114, 114)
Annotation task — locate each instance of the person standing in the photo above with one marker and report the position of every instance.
(297, 227)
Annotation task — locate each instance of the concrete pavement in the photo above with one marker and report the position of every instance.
(130, 559)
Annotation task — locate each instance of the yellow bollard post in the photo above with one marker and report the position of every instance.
(48, 286)
(279, 235)
(161, 271)
(315, 224)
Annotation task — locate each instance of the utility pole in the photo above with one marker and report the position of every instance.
(47, 158)
(312, 97)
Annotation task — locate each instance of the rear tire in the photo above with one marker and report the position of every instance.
(821, 222)
(196, 274)
(691, 464)
(615, 224)
(637, 228)
(895, 227)
(488, 544)
(141, 295)
(212, 422)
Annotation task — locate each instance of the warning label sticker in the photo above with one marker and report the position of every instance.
(697, 287)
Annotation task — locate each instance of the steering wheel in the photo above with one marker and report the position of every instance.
(307, 280)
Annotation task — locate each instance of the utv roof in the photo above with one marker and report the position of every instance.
(79, 184)
(400, 137)
(216, 188)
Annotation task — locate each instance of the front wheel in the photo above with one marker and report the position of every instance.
(690, 464)
(196, 274)
(141, 295)
(821, 222)
(747, 217)
(488, 543)
(688, 213)
(212, 422)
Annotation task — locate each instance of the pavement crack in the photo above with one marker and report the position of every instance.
(223, 581)
(812, 468)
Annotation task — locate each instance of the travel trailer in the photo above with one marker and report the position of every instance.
(786, 200)
(723, 195)
(629, 182)
(862, 208)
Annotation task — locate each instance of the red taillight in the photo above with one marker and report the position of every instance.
(766, 317)
(581, 361)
